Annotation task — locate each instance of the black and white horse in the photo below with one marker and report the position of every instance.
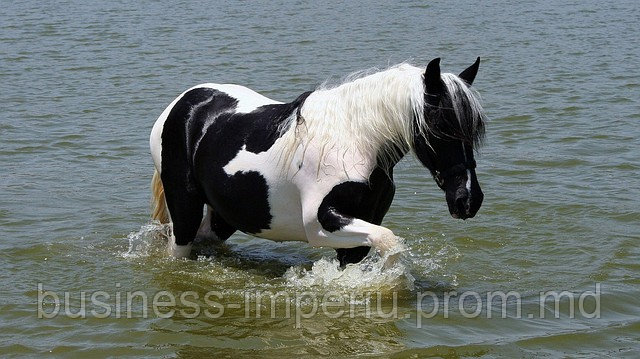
(318, 169)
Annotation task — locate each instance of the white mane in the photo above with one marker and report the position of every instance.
(367, 113)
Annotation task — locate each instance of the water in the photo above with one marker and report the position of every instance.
(81, 84)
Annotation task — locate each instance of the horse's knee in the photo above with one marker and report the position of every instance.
(383, 239)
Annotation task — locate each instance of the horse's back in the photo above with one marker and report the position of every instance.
(229, 97)
(248, 99)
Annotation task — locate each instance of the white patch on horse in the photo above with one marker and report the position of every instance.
(193, 110)
(283, 196)
(468, 184)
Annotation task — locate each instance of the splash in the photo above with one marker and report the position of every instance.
(432, 258)
(385, 273)
(141, 243)
(404, 269)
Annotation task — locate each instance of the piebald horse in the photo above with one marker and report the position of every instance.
(318, 169)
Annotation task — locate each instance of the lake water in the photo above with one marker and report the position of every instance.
(81, 84)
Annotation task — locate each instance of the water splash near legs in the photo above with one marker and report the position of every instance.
(385, 273)
(141, 242)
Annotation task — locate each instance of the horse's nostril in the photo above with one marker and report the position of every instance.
(461, 203)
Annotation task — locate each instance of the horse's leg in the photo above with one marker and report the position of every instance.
(220, 227)
(368, 202)
(185, 209)
(351, 255)
(213, 227)
(340, 231)
(205, 231)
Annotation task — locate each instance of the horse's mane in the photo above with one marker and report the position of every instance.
(370, 111)
(468, 109)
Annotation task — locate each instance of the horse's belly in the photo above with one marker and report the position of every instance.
(286, 215)
(283, 232)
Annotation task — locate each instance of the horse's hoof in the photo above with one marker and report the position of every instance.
(178, 252)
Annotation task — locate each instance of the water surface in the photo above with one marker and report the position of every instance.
(81, 84)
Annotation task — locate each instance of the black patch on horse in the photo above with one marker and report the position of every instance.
(368, 201)
(184, 200)
(270, 119)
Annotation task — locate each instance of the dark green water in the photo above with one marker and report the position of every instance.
(81, 84)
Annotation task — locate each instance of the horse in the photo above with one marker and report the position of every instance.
(318, 169)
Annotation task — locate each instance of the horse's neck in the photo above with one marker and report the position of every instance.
(390, 155)
(368, 122)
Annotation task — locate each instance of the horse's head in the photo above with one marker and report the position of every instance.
(445, 138)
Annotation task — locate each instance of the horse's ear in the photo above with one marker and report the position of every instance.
(432, 80)
(470, 73)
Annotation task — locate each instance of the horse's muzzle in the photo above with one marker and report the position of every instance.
(465, 204)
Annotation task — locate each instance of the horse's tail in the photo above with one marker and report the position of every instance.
(159, 210)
